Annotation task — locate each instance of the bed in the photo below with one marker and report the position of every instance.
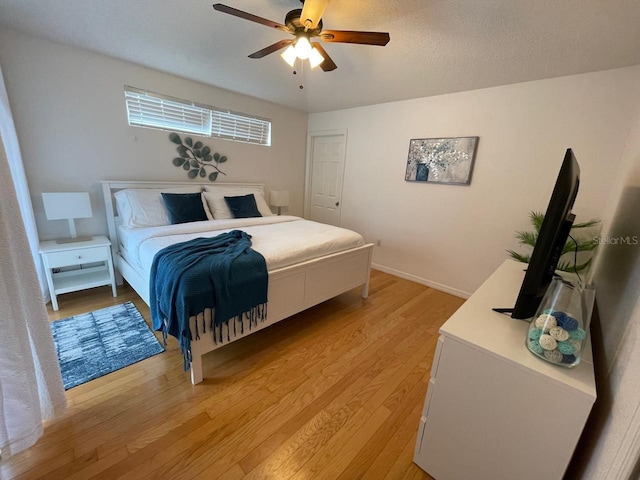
(307, 262)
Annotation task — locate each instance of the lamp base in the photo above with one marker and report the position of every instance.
(73, 240)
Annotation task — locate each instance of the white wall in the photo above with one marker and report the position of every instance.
(611, 449)
(453, 237)
(68, 106)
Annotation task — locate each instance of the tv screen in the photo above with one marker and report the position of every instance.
(552, 237)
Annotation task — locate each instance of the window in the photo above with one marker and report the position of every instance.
(145, 109)
(153, 110)
(241, 128)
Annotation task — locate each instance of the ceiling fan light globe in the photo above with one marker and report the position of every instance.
(315, 57)
(303, 48)
(289, 55)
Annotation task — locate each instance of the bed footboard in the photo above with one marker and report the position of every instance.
(291, 290)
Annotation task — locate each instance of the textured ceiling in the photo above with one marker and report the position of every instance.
(436, 46)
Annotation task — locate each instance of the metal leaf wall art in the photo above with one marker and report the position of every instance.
(195, 158)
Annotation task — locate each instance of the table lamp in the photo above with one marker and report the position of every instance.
(68, 206)
(279, 198)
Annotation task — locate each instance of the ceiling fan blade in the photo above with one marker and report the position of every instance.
(328, 64)
(271, 48)
(346, 36)
(312, 12)
(248, 16)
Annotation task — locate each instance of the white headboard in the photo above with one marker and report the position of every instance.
(109, 187)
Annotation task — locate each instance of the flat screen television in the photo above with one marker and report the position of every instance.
(552, 237)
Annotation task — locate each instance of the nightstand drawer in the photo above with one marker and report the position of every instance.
(77, 257)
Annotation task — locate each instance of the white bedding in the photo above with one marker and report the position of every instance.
(282, 240)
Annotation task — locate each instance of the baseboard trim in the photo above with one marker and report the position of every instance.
(422, 281)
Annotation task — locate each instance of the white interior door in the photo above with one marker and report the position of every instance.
(327, 168)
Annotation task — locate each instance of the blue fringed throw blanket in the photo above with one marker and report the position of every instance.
(222, 273)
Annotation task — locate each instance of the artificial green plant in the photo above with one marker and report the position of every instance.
(567, 264)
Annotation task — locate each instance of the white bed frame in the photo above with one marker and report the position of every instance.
(291, 289)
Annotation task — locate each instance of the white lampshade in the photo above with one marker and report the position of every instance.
(315, 58)
(67, 206)
(303, 48)
(279, 198)
(290, 55)
(62, 206)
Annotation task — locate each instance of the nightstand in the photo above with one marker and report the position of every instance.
(71, 259)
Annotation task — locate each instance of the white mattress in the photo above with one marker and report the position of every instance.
(282, 240)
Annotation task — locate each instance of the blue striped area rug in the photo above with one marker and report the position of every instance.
(100, 342)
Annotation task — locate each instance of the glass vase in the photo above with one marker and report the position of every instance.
(558, 331)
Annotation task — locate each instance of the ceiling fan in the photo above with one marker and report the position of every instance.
(305, 24)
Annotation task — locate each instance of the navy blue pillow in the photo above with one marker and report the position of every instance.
(184, 207)
(243, 206)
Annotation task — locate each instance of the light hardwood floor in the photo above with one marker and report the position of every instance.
(334, 392)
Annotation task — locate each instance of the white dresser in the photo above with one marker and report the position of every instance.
(494, 410)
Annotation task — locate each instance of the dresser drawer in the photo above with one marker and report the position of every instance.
(427, 399)
(436, 357)
(77, 257)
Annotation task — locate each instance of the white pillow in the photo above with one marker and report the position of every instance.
(143, 207)
(215, 198)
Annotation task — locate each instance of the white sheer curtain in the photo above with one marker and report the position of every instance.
(12, 149)
(31, 388)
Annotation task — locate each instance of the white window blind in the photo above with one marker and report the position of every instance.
(154, 110)
(146, 109)
(241, 128)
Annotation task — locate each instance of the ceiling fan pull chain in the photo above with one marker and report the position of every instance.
(301, 70)
(301, 74)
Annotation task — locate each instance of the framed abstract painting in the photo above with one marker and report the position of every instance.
(441, 160)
